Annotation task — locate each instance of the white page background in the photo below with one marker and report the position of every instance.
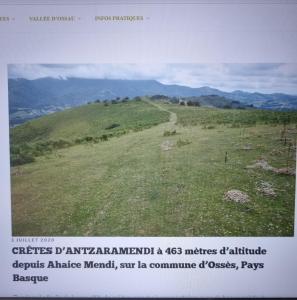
(170, 33)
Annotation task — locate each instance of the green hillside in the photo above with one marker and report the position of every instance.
(89, 123)
(89, 120)
(168, 179)
(192, 116)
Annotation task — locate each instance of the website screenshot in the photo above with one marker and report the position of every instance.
(148, 148)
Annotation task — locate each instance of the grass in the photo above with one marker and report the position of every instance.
(89, 120)
(91, 123)
(192, 116)
(130, 186)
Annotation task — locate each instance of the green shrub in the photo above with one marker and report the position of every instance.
(208, 127)
(21, 159)
(181, 142)
(169, 132)
(104, 137)
(113, 125)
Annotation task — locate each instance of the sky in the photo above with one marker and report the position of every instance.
(251, 77)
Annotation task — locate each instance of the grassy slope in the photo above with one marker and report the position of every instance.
(129, 186)
(191, 116)
(89, 120)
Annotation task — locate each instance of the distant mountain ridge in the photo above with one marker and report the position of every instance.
(48, 92)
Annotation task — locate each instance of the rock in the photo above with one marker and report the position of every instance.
(266, 189)
(285, 171)
(264, 165)
(166, 145)
(261, 164)
(236, 196)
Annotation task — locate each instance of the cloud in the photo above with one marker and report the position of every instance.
(260, 77)
(251, 69)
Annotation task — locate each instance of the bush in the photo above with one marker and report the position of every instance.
(169, 133)
(193, 103)
(104, 137)
(114, 125)
(78, 140)
(181, 142)
(159, 97)
(21, 159)
(208, 127)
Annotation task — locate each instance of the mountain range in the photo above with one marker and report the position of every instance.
(47, 94)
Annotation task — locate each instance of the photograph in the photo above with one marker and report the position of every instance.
(153, 150)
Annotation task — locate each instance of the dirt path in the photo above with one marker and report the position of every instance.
(173, 116)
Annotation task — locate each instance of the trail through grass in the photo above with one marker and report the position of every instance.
(131, 186)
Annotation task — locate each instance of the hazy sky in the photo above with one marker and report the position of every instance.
(262, 77)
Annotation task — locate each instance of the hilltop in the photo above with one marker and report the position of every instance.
(94, 122)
